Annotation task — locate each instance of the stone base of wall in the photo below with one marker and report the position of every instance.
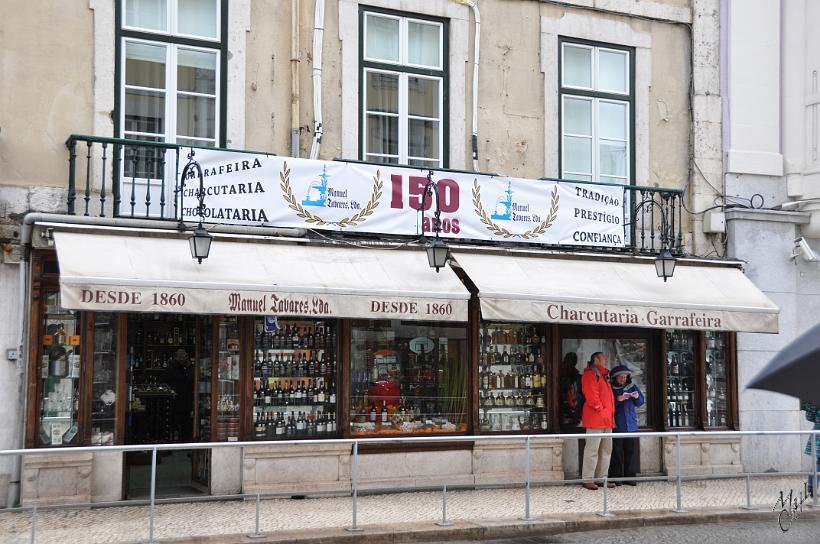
(297, 469)
(56, 479)
(703, 455)
(405, 470)
(504, 461)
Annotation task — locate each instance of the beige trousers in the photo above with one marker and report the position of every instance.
(596, 455)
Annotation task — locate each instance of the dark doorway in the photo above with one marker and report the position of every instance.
(162, 352)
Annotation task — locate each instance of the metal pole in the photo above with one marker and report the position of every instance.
(257, 533)
(748, 493)
(354, 474)
(814, 490)
(527, 516)
(33, 524)
(153, 496)
(605, 513)
(679, 507)
(444, 522)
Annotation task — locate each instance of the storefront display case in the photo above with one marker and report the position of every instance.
(717, 382)
(681, 378)
(512, 394)
(407, 378)
(60, 366)
(104, 380)
(228, 380)
(294, 379)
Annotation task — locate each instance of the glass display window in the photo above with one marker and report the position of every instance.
(681, 378)
(228, 380)
(717, 382)
(59, 374)
(104, 380)
(512, 378)
(407, 378)
(294, 378)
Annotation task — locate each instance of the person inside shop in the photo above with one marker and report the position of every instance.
(597, 416)
(570, 390)
(813, 416)
(628, 397)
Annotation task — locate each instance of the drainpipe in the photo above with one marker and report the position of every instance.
(13, 496)
(318, 35)
(294, 78)
(476, 59)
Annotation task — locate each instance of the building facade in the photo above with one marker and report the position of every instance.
(623, 102)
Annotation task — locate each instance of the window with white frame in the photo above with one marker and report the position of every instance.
(403, 108)
(596, 113)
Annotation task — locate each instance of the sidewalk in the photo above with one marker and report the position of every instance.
(556, 508)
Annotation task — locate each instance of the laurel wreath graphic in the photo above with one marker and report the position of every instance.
(498, 230)
(314, 219)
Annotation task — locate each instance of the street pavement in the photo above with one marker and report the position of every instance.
(802, 531)
(400, 512)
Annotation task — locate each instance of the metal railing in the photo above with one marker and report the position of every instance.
(527, 483)
(117, 177)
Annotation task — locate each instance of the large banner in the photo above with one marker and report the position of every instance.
(256, 189)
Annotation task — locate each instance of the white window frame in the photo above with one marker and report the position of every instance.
(172, 22)
(403, 115)
(595, 114)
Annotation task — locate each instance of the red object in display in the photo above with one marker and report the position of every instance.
(385, 390)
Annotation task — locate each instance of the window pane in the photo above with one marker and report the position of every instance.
(612, 71)
(680, 378)
(147, 14)
(578, 177)
(197, 18)
(145, 65)
(382, 92)
(407, 377)
(717, 381)
(196, 71)
(196, 116)
(577, 154)
(423, 138)
(577, 66)
(143, 162)
(577, 116)
(382, 38)
(145, 111)
(424, 44)
(611, 179)
(422, 163)
(613, 158)
(382, 134)
(104, 381)
(423, 96)
(196, 143)
(612, 120)
(382, 159)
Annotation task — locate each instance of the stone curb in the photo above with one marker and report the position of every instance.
(496, 529)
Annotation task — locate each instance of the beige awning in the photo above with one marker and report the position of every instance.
(109, 272)
(615, 293)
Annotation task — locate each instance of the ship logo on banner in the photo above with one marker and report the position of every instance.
(320, 194)
(517, 213)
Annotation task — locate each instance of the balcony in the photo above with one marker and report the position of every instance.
(112, 177)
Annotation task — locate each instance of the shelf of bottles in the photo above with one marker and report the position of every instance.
(407, 378)
(512, 379)
(104, 380)
(717, 405)
(203, 380)
(227, 381)
(60, 374)
(680, 378)
(160, 349)
(294, 379)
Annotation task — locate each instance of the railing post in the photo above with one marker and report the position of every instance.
(72, 175)
(115, 180)
(605, 513)
(153, 496)
(87, 197)
(748, 493)
(102, 179)
(443, 522)
(679, 507)
(354, 474)
(527, 516)
(33, 525)
(257, 533)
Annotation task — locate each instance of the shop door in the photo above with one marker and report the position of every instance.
(636, 351)
(161, 384)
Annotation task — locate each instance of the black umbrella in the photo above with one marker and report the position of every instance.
(795, 370)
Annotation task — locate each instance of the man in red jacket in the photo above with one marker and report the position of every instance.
(598, 416)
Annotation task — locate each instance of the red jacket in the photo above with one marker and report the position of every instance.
(599, 404)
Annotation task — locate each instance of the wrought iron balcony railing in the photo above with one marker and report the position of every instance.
(115, 177)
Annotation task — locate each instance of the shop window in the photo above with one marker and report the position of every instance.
(596, 113)
(228, 380)
(104, 380)
(170, 90)
(294, 379)
(576, 352)
(59, 374)
(407, 378)
(681, 380)
(512, 379)
(717, 381)
(403, 80)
